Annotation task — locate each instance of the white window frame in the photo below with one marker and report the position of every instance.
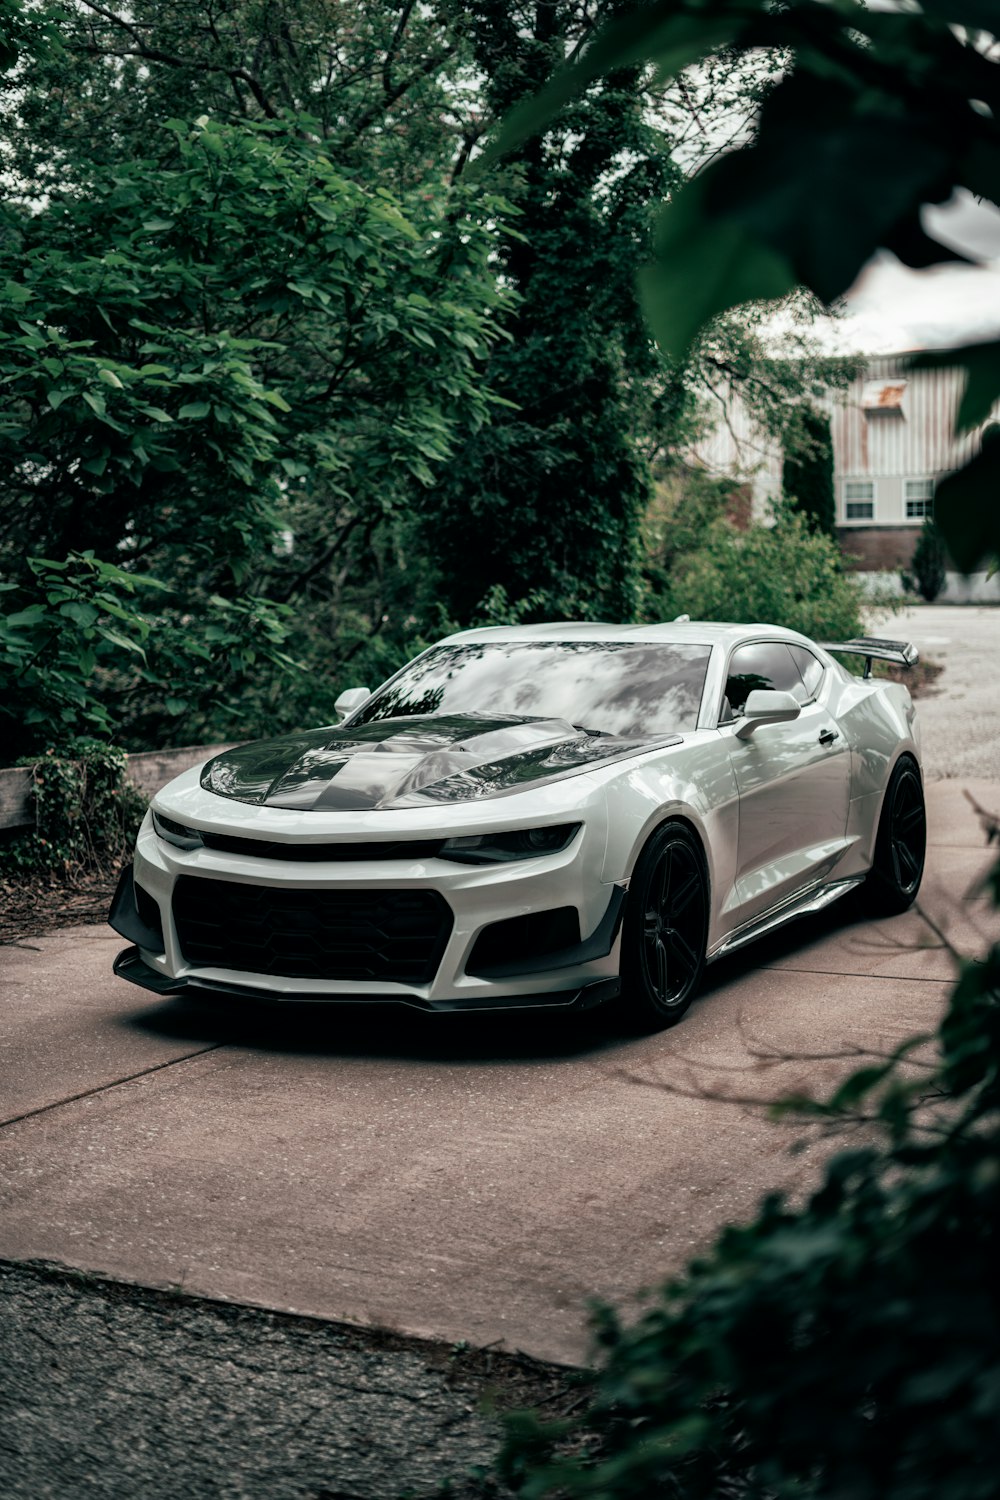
(918, 498)
(858, 501)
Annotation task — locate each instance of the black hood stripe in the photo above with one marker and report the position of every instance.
(412, 762)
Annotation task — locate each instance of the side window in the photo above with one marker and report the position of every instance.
(811, 671)
(768, 664)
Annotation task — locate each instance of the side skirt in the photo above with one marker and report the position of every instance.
(803, 905)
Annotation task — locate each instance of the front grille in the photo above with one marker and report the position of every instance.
(231, 843)
(386, 935)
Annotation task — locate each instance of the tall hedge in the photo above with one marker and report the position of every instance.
(807, 472)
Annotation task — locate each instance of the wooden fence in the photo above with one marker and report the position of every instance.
(149, 770)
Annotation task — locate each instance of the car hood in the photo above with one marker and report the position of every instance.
(412, 762)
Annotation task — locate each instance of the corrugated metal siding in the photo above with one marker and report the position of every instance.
(918, 440)
(915, 441)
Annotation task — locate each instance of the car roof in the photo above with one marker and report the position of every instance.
(694, 632)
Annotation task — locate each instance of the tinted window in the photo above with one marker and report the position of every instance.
(617, 687)
(768, 664)
(811, 670)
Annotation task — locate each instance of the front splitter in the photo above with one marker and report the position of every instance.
(132, 966)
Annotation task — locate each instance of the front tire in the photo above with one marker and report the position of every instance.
(901, 844)
(665, 929)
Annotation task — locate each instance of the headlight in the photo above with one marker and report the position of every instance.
(501, 848)
(176, 833)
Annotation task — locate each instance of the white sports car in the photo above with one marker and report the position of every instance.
(548, 815)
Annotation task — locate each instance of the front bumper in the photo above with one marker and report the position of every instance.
(130, 965)
(577, 973)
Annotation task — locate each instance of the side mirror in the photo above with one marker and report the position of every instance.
(351, 699)
(767, 706)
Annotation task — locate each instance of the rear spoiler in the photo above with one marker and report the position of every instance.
(872, 647)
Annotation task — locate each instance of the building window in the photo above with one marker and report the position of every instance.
(859, 499)
(919, 497)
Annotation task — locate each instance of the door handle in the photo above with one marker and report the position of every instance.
(828, 736)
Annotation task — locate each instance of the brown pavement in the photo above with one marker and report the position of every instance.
(471, 1178)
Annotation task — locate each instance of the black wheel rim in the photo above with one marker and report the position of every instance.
(907, 832)
(673, 924)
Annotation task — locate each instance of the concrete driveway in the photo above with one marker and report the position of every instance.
(469, 1178)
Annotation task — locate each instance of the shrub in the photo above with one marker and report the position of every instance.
(87, 813)
(926, 573)
(849, 1347)
(807, 473)
(785, 574)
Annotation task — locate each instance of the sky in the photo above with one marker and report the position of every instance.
(891, 308)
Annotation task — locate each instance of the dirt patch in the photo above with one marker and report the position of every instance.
(110, 1389)
(32, 907)
(921, 679)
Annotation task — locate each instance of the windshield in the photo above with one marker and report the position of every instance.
(610, 686)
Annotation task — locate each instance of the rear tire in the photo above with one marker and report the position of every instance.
(665, 930)
(901, 843)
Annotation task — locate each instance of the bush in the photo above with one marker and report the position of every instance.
(785, 574)
(87, 813)
(926, 574)
(846, 1348)
(807, 473)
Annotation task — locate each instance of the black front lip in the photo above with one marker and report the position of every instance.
(131, 965)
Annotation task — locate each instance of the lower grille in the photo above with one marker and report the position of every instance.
(386, 935)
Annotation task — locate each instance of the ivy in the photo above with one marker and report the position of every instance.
(87, 813)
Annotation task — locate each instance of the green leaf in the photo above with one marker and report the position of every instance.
(703, 267)
(96, 403)
(966, 509)
(978, 14)
(195, 410)
(16, 293)
(80, 613)
(30, 616)
(827, 196)
(982, 387)
(122, 641)
(110, 378)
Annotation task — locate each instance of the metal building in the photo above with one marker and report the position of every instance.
(893, 434)
(893, 438)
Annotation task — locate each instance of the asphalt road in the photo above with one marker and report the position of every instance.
(467, 1178)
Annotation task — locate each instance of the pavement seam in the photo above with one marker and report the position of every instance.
(105, 1088)
(853, 974)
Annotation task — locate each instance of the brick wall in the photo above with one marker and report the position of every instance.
(879, 547)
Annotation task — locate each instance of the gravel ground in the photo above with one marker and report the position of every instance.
(119, 1392)
(959, 714)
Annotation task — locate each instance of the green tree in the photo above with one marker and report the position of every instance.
(807, 472)
(546, 500)
(226, 384)
(374, 80)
